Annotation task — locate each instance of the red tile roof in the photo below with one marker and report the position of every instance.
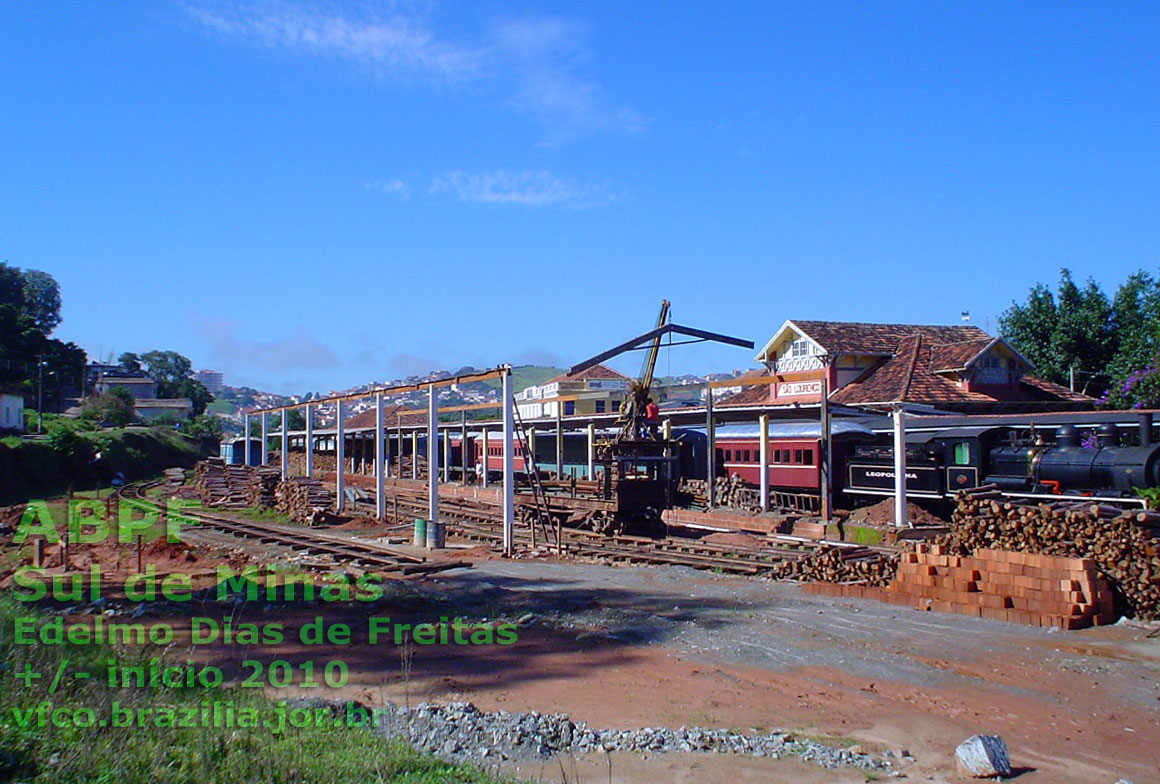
(912, 368)
(749, 396)
(856, 337)
(1052, 390)
(391, 417)
(956, 356)
(911, 375)
(594, 372)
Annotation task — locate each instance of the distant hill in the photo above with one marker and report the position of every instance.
(526, 376)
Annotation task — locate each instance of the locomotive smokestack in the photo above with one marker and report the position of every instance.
(1146, 429)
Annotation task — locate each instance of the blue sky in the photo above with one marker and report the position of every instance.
(310, 196)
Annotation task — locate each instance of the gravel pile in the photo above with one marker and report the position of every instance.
(461, 732)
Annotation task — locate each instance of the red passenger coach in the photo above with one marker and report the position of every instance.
(794, 451)
(495, 453)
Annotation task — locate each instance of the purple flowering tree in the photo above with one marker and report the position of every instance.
(1139, 389)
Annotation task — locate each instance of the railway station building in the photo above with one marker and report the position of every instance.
(951, 368)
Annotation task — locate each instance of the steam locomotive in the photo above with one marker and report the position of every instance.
(1020, 462)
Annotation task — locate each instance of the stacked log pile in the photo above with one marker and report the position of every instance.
(1124, 545)
(234, 486)
(174, 479)
(209, 478)
(731, 492)
(259, 486)
(857, 566)
(300, 498)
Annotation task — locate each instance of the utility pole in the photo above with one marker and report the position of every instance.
(40, 393)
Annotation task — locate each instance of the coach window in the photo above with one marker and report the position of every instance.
(809, 457)
(962, 453)
(797, 456)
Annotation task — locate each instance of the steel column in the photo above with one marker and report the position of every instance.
(309, 441)
(432, 457)
(763, 458)
(339, 460)
(509, 514)
(380, 463)
(559, 441)
(900, 518)
(591, 451)
(711, 450)
(825, 464)
(264, 453)
(246, 434)
(285, 445)
(414, 454)
(463, 446)
(446, 455)
(486, 462)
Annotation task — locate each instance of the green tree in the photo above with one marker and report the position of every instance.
(172, 372)
(30, 360)
(130, 362)
(42, 300)
(202, 426)
(1136, 323)
(1030, 327)
(1113, 345)
(167, 368)
(295, 419)
(114, 408)
(1069, 330)
(192, 389)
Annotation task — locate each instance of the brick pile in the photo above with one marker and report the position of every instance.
(1027, 588)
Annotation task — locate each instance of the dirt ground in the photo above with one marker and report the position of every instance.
(626, 647)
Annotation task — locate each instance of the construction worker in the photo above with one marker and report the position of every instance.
(652, 416)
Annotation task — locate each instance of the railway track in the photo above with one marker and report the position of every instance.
(363, 554)
(478, 523)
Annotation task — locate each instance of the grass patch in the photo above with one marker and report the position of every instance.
(147, 753)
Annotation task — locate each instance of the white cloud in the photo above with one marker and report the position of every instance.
(229, 347)
(544, 55)
(397, 43)
(533, 63)
(528, 188)
(390, 187)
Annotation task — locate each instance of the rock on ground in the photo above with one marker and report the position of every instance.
(983, 756)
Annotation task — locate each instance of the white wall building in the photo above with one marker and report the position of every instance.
(12, 412)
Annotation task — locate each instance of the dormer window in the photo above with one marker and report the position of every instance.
(799, 348)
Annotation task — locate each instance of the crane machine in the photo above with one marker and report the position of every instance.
(639, 469)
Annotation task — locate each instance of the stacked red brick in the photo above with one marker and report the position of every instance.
(1037, 590)
(1125, 545)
